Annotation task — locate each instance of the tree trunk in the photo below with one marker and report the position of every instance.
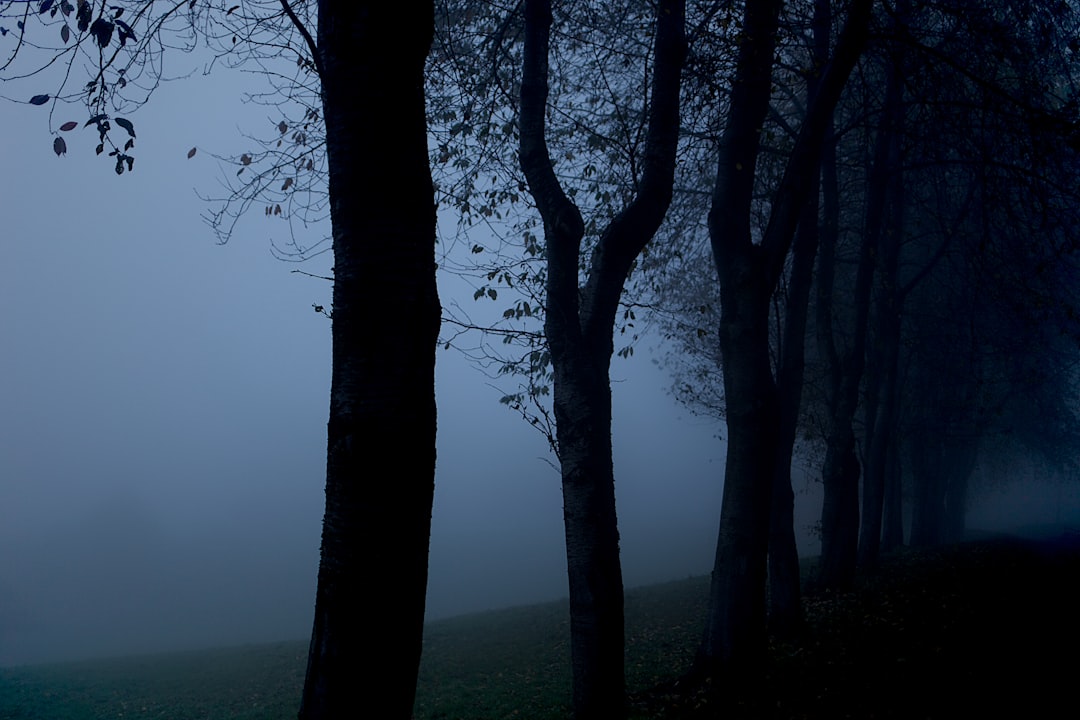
(579, 324)
(735, 625)
(785, 592)
(892, 526)
(734, 637)
(840, 473)
(884, 350)
(582, 406)
(960, 461)
(927, 502)
(369, 606)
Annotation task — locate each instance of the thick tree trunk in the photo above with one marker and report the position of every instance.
(734, 638)
(582, 406)
(369, 607)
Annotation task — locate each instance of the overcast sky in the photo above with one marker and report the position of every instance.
(163, 404)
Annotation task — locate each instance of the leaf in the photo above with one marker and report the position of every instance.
(59, 146)
(39, 99)
(191, 153)
(125, 29)
(45, 5)
(96, 119)
(65, 33)
(245, 159)
(288, 184)
(126, 124)
(68, 126)
(282, 127)
(99, 149)
(102, 31)
(83, 16)
(492, 294)
(119, 164)
(231, 10)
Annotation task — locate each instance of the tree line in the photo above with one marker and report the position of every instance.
(853, 222)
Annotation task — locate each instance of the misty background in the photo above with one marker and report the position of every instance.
(163, 404)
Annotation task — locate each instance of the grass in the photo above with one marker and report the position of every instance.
(989, 628)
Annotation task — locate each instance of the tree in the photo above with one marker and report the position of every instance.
(579, 323)
(974, 129)
(748, 272)
(373, 571)
(372, 578)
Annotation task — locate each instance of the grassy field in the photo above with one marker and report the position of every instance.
(956, 633)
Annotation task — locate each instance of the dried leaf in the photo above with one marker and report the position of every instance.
(39, 99)
(191, 153)
(59, 146)
(69, 125)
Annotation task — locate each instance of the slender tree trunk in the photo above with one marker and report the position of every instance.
(884, 351)
(927, 502)
(369, 607)
(892, 517)
(579, 325)
(960, 464)
(841, 470)
(892, 526)
(785, 593)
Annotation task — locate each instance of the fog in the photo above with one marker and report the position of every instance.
(163, 404)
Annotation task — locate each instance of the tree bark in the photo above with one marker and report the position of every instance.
(892, 523)
(884, 350)
(785, 592)
(369, 607)
(579, 324)
(841, 470)
(734, 637)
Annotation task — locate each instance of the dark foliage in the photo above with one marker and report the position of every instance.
(975, 630)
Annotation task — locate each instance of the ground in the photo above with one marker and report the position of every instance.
(982, 629)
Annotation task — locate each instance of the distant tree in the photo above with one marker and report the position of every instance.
(369, 605)
(988, 142)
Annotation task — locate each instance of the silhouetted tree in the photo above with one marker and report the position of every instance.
(579, 323)
(748, 272)
(369, 607)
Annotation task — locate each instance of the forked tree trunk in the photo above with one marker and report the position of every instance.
(785, 591)
(369, 606)
(734, 637)
(579, 324)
